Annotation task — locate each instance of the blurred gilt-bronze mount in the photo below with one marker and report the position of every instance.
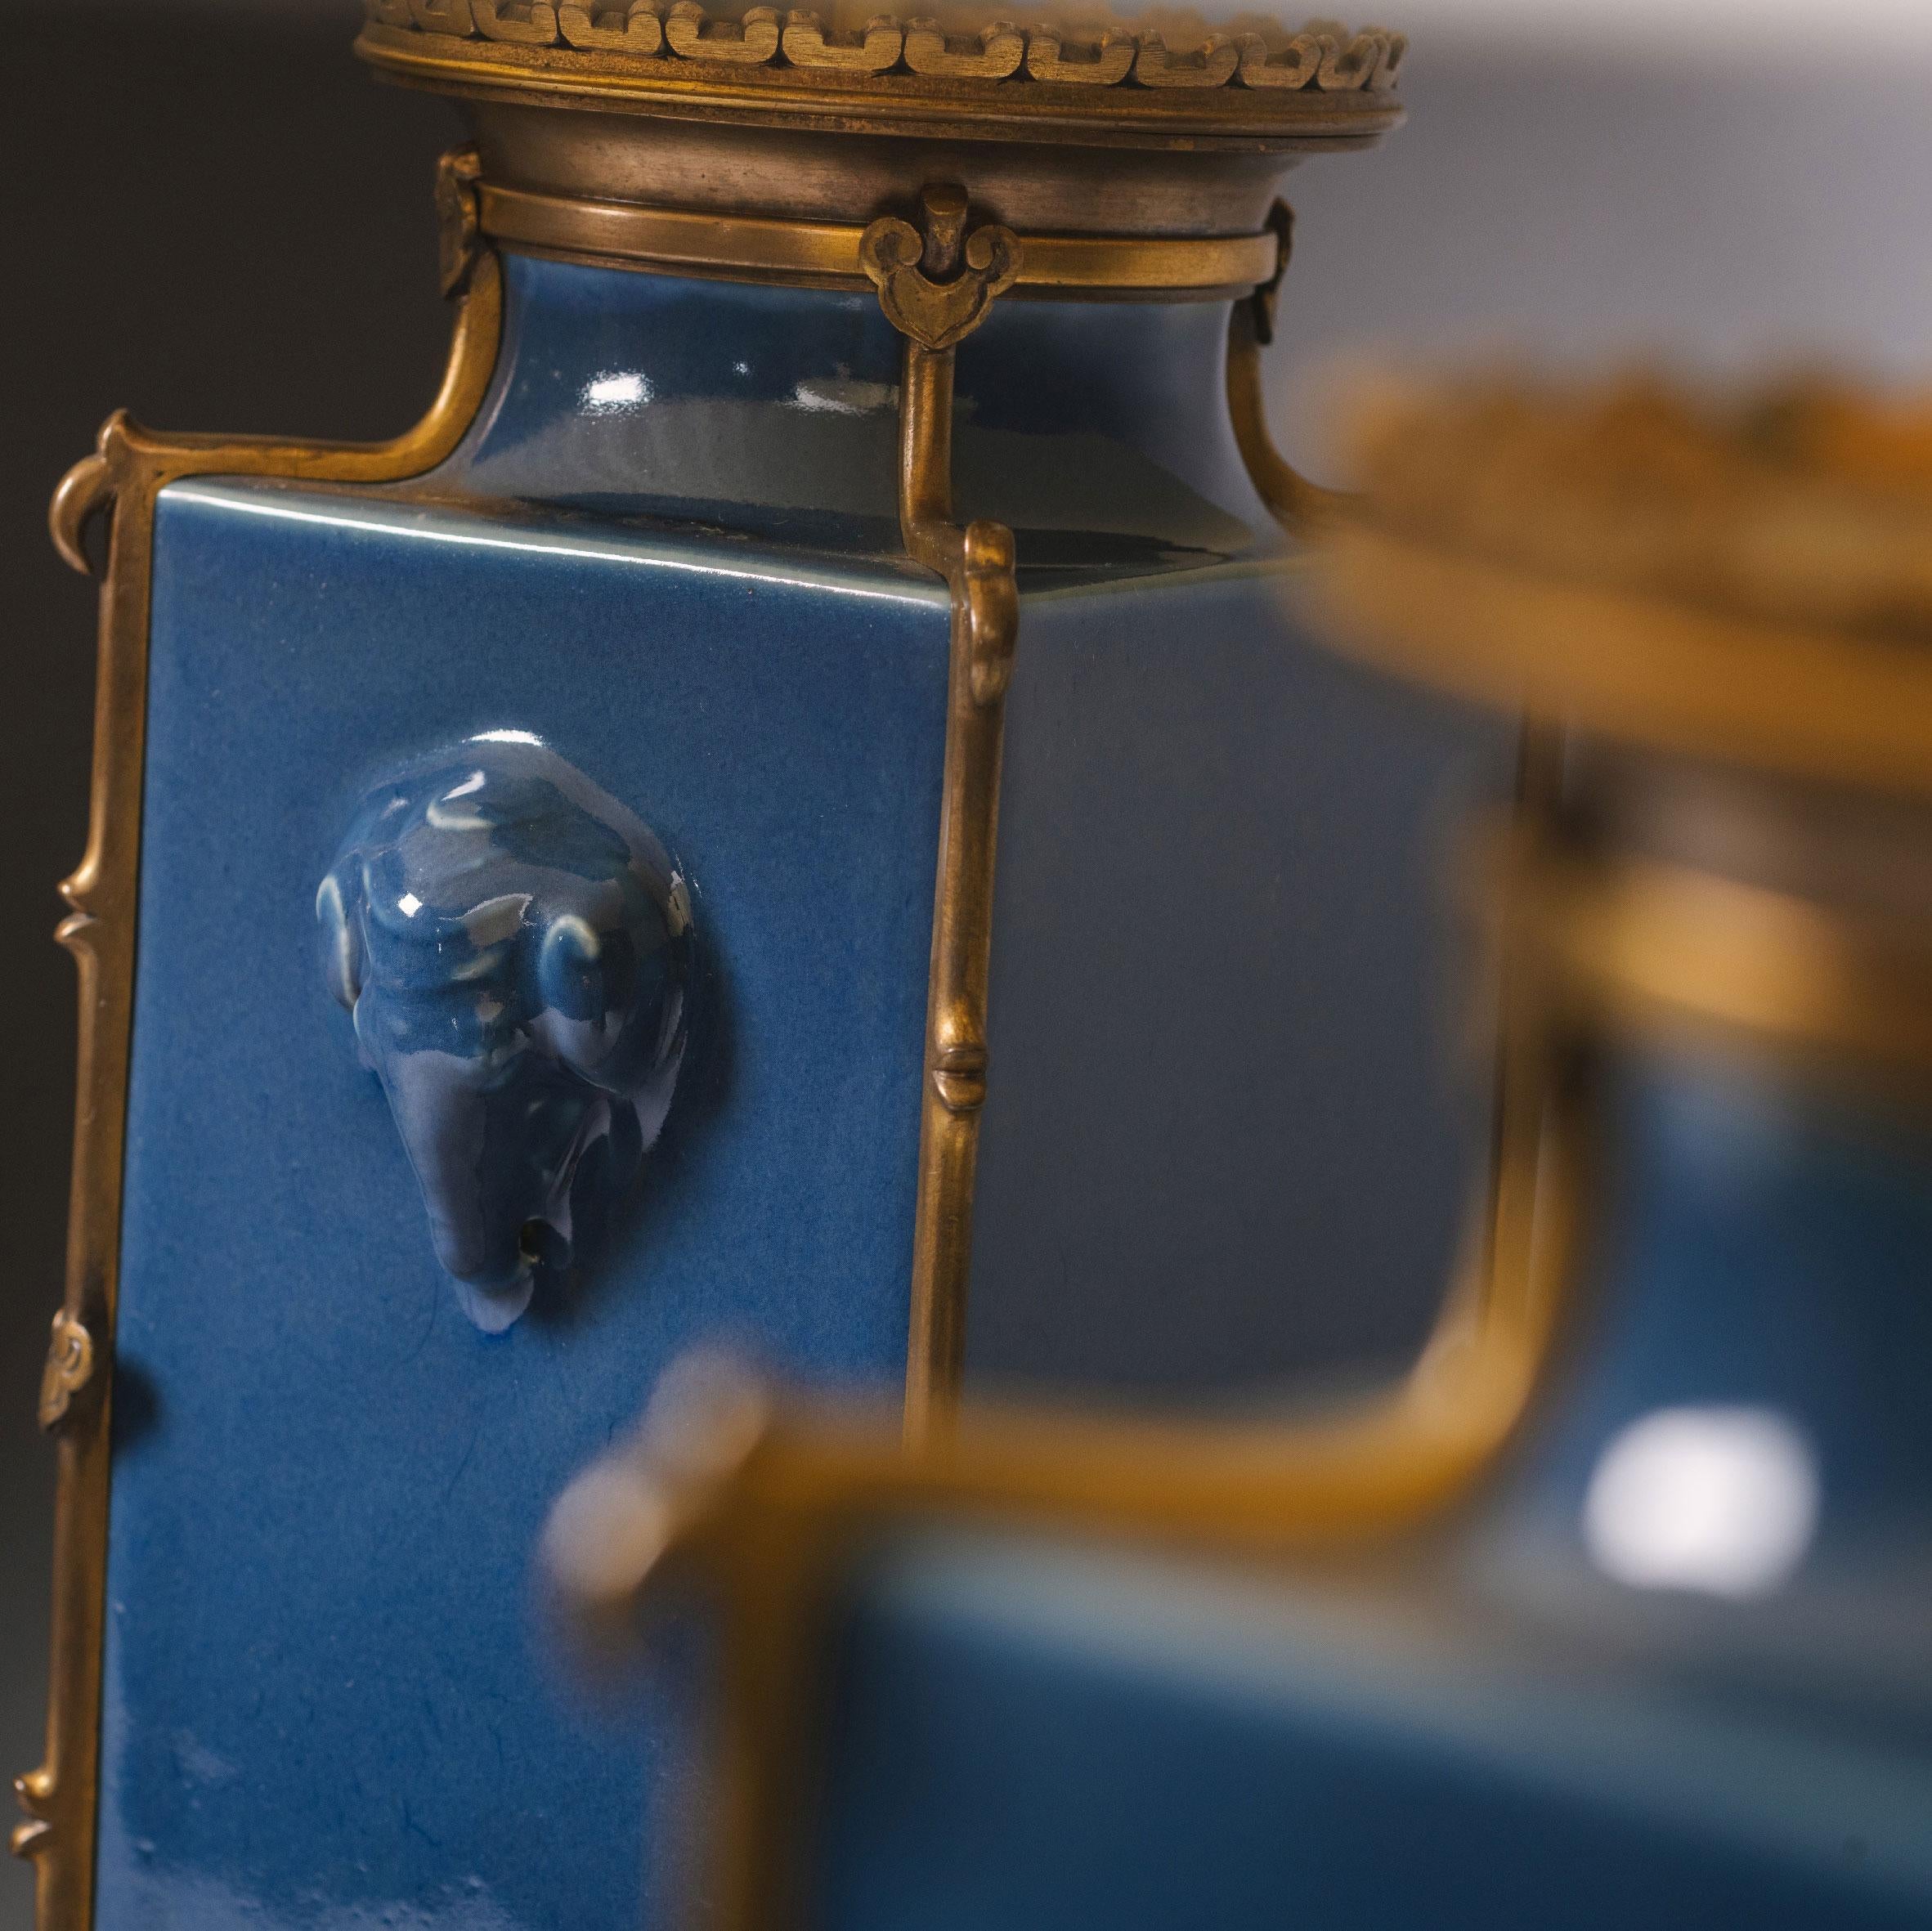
(1727, 604)
(1749, 580)
(1714, 620)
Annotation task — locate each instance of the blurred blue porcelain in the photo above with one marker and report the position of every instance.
(1673, 1669)
(513, 945)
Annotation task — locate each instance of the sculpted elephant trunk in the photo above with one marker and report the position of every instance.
(514, 946)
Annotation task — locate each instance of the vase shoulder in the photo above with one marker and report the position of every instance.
(1096, 431)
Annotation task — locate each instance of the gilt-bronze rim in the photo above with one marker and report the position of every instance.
(826, 254)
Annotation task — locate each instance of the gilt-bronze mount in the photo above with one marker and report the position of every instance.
(928, 174)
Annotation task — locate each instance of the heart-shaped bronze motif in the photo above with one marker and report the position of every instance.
(936, 314)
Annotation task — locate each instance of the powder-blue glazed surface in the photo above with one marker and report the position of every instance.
(327, 1698)
(1224, 1092)
(668, 548)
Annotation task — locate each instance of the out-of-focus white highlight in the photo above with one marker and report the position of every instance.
(611, 394)
(1722, 1501)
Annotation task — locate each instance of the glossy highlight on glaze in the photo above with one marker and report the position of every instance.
(513, 947)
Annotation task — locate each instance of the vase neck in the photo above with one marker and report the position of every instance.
(1098, 431)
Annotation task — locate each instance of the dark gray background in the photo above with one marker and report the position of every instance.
(215, 219)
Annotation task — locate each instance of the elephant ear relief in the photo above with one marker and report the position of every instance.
(512, 946)
(540, 913)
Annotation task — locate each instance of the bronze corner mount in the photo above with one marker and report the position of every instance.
(70, 1368)
(458, 213)
(1300, 507)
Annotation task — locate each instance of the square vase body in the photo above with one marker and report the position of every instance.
(667, 551)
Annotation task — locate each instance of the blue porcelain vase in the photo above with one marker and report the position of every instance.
(539, 914)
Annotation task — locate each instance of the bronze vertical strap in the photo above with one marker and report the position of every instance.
(1533, 1134)
(935, 288)
(1296, 504)
(977, 563)
(59, 1797)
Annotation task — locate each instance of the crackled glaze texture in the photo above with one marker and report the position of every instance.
(513, 944)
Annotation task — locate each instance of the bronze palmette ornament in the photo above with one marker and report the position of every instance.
(835, 409)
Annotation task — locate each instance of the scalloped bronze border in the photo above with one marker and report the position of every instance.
(963, 105)
(607, 41)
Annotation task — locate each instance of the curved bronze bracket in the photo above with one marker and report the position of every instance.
(763, 1499)
(936, 288)
(127, 471)
(80, 495)
(1298, 505)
